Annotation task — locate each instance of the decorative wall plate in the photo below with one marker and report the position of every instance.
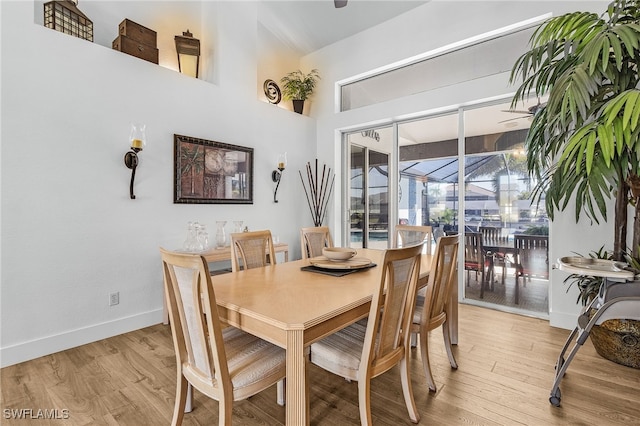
(272, 91)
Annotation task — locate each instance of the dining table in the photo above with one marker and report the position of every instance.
(292, 308)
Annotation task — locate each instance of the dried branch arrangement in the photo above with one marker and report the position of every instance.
(318, 191)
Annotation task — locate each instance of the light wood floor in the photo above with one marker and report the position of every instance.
(534, 296)
(506, 366)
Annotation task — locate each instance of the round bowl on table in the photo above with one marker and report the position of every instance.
(338, 254)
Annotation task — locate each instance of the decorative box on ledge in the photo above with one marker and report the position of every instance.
(136, 40)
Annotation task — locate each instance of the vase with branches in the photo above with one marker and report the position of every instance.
(317, 190)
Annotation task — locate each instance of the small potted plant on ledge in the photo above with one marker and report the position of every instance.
(298, 86)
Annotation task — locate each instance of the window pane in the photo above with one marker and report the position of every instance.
(450, 68)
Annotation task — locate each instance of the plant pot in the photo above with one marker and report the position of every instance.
(298, 105)
(618, 340)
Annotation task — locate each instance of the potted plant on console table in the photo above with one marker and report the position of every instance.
(298, 86)
(584, 141)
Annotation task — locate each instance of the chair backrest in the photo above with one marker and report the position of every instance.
(442, 278)
(492, 234)
(255, 249)
(313, 240)
(473, 254)
(391, 313)
(409, 235)
(532, 255)
(195, 325)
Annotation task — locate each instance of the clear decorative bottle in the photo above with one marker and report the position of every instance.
(237, 226)
(189, 242)
(221, 236)
(203, 238)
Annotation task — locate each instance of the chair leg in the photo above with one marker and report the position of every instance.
(189, 405)
(181, 399)
(424, 349)
(414, 340)
(225, 411)
(407, 390)
(281, 392)
(364, 401)
(447, 345)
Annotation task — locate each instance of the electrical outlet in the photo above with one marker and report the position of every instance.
(114, 298)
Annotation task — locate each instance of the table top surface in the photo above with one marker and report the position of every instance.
(496, 244)
(286, 297)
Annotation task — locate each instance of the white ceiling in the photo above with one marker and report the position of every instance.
(486, 120)
(302, 25)
(308, 25)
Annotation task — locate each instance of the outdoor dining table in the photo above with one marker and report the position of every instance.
(493, 247)
(293, 308)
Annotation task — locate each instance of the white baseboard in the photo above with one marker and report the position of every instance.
(26, 351)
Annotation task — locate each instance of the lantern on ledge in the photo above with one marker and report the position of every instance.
(64, 16)
(188, 50)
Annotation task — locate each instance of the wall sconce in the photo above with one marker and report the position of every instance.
(276, 175)
(188, 49)
(137, 140)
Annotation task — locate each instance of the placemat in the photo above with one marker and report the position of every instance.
(335, 272)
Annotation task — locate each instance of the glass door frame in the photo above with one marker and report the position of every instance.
(393, 184)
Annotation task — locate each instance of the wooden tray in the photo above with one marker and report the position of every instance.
(353, 263)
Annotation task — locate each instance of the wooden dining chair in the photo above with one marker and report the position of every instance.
(224, 364)
(407, 235)
(433, 310)
(474, 259)
(370, 347)
(494, 236)
(252, 250)
(313, 240)
(532, 259)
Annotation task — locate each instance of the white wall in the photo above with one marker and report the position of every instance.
(70, 233)
(420, 30)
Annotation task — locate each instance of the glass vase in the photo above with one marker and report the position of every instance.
(237, 226)
(221, 236)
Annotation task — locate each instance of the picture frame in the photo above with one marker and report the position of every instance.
(210, 172)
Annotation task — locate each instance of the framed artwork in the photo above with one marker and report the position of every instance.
(208, 172)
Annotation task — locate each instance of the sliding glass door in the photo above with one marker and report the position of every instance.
(428, 153)
(368, 189)
(461, 173)
(498, 205)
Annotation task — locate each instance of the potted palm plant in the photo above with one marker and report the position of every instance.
(298, 86)
(584, 141)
